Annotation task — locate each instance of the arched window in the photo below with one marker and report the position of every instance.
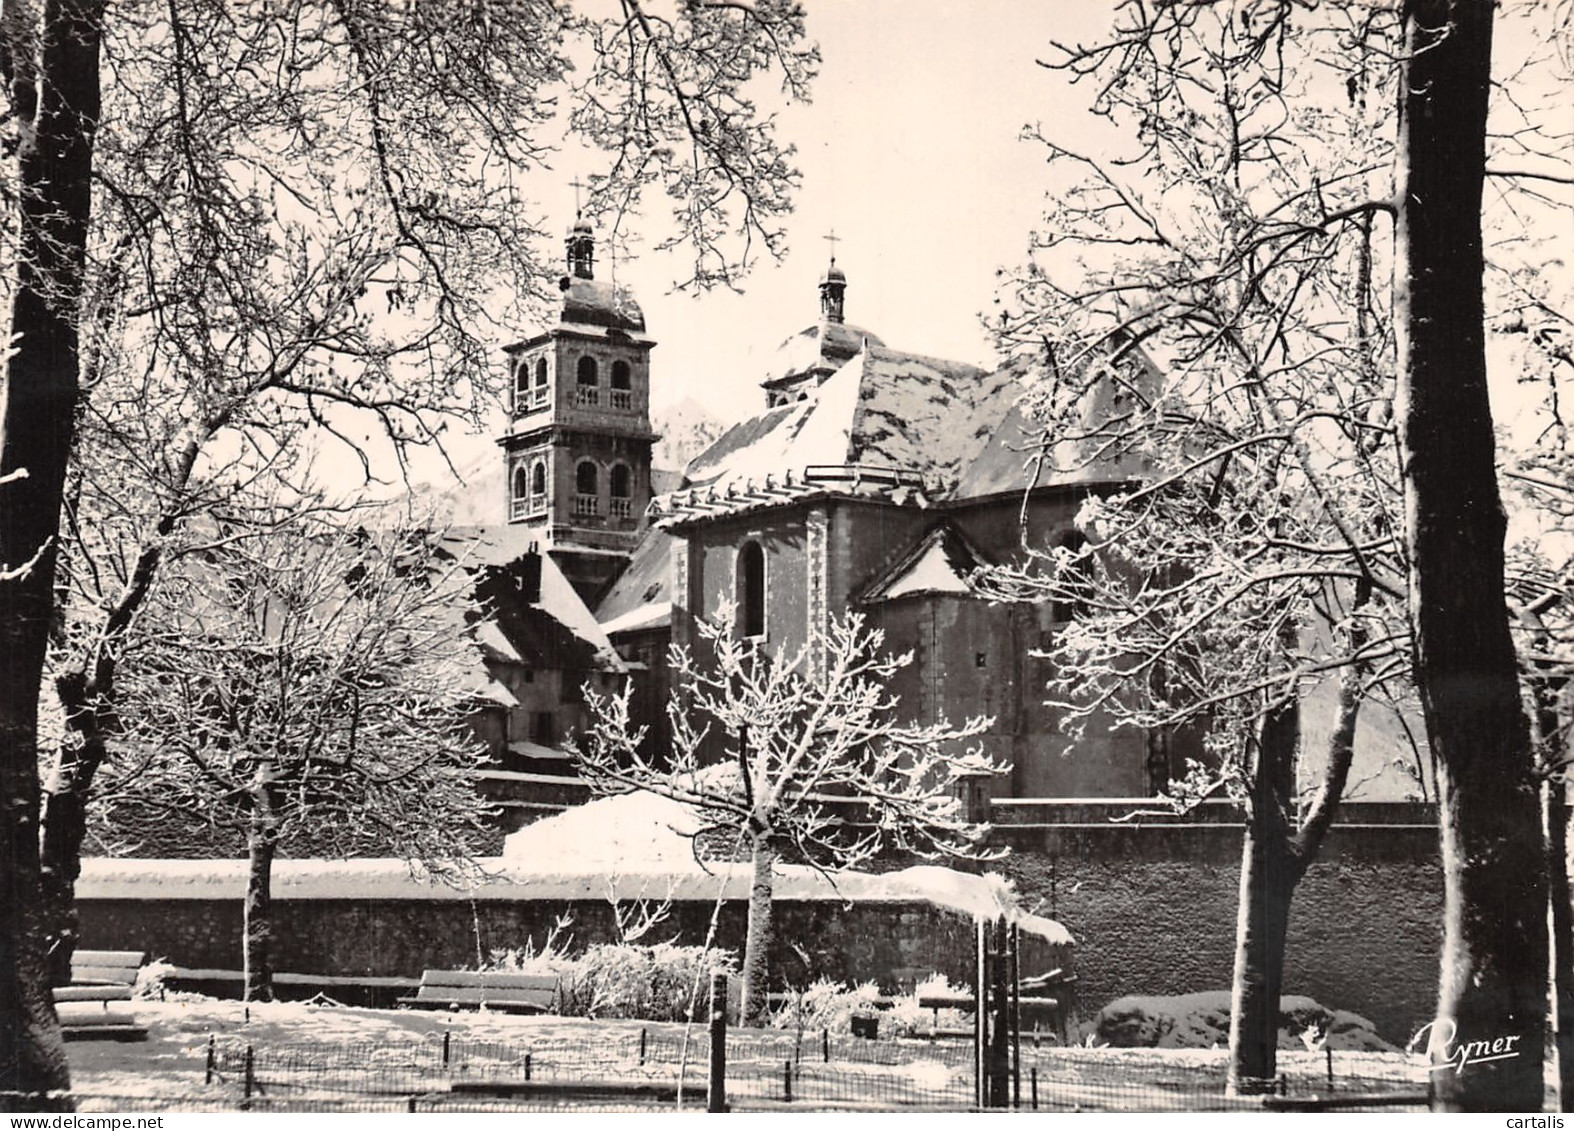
(750, 593)
(538, 394)
(518, 505)
(538, 478)
(621, 395)
(587, 489)
(586, 393)
(622, 487)
(521, 381)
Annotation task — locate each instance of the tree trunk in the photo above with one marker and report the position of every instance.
(757, 946)
(1268, 876)
(55, 99)
(257, 916)
(65, 827)
(1494, 961)
(1560, 925)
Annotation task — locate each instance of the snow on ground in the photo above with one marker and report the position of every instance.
(631, 846)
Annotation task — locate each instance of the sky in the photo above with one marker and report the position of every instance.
(910, 153)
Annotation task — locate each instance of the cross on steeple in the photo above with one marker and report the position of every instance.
(578, 184)
(833, 239)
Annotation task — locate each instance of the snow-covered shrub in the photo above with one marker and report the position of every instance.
(832, 1006)
(827, 1005)
(646, 983)
(907, 1018)
(551, 957)
(1202, 1020)
(151, 979)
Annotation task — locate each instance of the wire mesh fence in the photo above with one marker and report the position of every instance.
(662, 1069)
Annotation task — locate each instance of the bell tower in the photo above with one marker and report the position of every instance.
(578, 447)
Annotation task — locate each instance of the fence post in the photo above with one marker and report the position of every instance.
(787, 1081)
(250, 1073)
(1328, 1050)
(980, 1015)
(447, 1036)
(642, 1038)
(999, 1009)
(825, 1045)
(213, 1053)
(1033, 1084)
(718, 1043)
(527, 1068)
(1014, 961)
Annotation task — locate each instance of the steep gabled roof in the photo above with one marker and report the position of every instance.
(942, 561)
(644, 585)
(886, 422)
(534, 617)
(1017, 458)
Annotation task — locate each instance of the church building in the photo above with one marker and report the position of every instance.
(874, 479)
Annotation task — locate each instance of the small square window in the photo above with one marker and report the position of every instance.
(980, 660)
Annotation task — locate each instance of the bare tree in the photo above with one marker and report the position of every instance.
(239, 220)
(1237, 232)
(304, 685)
(810, 765)
(1260, 556)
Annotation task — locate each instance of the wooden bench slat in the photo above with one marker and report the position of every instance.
(463, 994)
(93, 993)
(132, 958)
(471, 978)
(502, 1005)
(450, 989)
(123, 974)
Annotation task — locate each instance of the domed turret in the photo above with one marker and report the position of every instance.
(581, 245)
(833, 286)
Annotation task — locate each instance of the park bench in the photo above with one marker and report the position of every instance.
(468, 989)
(374, 991)
(100, 977)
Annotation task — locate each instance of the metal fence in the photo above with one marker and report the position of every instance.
(664, 1068)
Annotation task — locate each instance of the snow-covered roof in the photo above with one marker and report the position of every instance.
(885, 422)
(560, 601)
(657, 614)
(539, 619)
(645, 584)
(1017, 458)
(537, 751)
(820, 348)
(942, 561)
